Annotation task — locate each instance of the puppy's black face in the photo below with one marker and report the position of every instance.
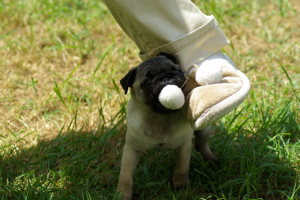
(156, 73)
(150, 77)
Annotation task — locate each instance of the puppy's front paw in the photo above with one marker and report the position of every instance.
(124, 196)
(124, 190)
(180, 182)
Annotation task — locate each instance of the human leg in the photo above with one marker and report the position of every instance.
(175, 27)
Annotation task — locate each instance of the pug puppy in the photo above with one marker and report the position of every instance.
(150, 125)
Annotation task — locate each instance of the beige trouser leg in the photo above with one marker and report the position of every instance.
(176, 27)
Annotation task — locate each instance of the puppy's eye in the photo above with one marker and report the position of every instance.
(147, 84)
(178, 72)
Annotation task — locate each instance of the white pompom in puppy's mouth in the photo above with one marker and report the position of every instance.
(171, 97)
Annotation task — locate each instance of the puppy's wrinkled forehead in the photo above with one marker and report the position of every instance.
(156, 66)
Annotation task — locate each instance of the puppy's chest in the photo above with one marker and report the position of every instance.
(147, 130)
(166, 133)
(159, 131)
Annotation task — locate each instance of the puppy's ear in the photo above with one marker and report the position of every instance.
(128, 79)
(169, 56)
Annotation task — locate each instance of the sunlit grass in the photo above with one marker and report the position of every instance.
(63, 111)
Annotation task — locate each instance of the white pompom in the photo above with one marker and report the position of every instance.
(207, 75)
(171, 97)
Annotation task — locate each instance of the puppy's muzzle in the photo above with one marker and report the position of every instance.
(166, 80)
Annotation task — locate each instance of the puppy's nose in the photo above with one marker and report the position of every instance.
(166, 79)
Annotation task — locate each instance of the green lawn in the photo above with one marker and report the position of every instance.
(62, 110)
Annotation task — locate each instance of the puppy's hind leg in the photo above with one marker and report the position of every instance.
(130, 159)
(182, 158)
(201, 144)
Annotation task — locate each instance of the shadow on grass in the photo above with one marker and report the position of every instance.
(74, 165)
(257, 161)
(251, 167)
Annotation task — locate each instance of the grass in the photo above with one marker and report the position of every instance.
(63, 112)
